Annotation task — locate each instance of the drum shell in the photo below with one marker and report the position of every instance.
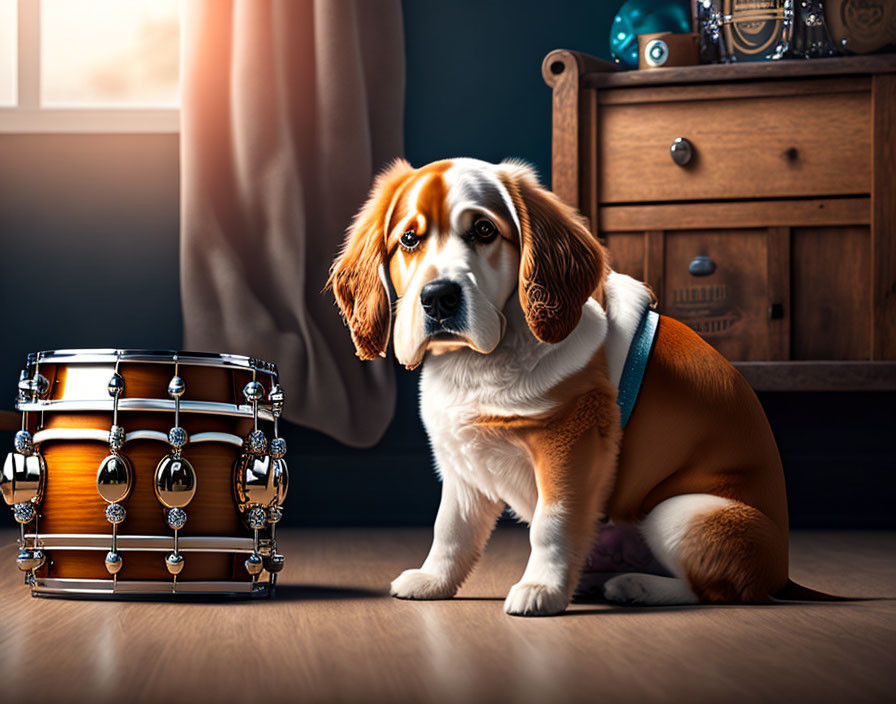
(71, 502)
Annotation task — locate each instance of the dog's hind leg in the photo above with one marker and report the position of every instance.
(718, 550)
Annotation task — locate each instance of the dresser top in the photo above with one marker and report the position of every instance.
(598, 73)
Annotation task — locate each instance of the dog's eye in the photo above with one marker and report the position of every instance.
(409, 240)
(485, 230)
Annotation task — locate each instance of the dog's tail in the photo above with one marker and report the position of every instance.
(797, 592)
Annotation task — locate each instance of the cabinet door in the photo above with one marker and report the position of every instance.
(778, 280)
(718, 282)
(831, 292)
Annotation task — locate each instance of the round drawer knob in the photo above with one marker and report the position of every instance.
(682, 151)
(701, 266)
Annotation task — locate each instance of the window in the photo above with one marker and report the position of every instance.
(89, 65)
(8, 47)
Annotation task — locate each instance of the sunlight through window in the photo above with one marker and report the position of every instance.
(109, 53)
(8, 49)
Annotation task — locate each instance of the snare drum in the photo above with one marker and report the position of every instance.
(140, 472)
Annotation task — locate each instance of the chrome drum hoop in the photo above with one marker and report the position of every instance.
(111, 356)
(144, 543)
(214, 408)
(67, 587)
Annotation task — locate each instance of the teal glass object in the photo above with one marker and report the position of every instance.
(645, 17)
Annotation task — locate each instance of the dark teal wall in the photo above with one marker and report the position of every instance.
(474, 85)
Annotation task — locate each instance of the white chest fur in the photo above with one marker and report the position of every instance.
(459, 388)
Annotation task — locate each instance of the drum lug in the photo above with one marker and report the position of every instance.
(253, 481)
(274, 563)
(23, 478)
(22, 486)
(175, 478)
(175, 481)
(30, 559)
(115, 477)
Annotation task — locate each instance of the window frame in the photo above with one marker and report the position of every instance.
(29, 116)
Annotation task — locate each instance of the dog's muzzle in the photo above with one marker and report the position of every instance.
(443, 304)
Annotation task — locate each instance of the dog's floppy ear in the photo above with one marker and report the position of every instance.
(356, 274)
(561, 263)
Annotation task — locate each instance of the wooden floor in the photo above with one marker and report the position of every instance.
(332, 635)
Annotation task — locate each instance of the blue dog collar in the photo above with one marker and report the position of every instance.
(636, 363)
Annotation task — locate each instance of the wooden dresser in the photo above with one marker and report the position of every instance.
(757, 200)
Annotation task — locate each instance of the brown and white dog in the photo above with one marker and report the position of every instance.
(525, 329)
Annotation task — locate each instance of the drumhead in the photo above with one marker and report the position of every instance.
(110, 356)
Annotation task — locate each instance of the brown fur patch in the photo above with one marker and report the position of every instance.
(734, 555)
(574, 447)
(697, 428)
(354, 277)
(562, 264)
(430, 203)
(593, 378)
(395, 268)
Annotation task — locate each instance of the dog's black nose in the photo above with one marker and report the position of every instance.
(441, 298)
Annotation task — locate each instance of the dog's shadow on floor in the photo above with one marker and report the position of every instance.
(592, 603)
(601, 606)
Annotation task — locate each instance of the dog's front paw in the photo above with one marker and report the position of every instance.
(417, 584)
(535, 599)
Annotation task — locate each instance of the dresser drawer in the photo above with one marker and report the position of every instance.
(770, 280)
(756, 147)
(716, 283)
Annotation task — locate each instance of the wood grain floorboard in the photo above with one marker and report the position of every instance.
(333, 635)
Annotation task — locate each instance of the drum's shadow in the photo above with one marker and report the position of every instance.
(323, 592)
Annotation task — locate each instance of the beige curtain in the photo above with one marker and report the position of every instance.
(289, 108)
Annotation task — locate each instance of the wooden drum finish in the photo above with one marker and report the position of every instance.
(71, 504)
